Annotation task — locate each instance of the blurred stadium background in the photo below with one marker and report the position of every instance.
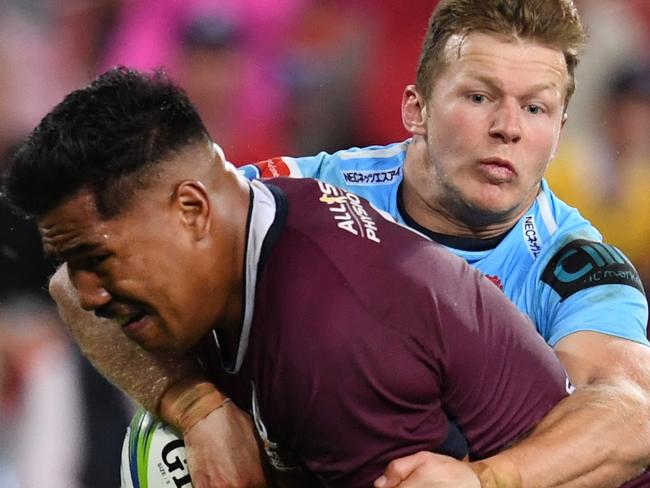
(270, 77)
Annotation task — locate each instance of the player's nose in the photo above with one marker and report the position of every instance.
(506, 124)
(92, 293)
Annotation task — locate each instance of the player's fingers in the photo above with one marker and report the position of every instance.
(399, 469)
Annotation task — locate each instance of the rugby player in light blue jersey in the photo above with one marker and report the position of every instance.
(550, 261)
(485, 118)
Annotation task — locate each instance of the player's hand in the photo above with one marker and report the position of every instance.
(222, 450)
(428, 470)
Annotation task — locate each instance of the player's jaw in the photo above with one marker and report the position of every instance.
(490, 190)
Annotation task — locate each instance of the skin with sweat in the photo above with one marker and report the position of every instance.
(168, 266)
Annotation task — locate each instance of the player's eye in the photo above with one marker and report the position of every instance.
(477, 98)
(97, 260)
(534, 109)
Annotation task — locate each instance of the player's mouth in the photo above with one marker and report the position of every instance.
(135, 325)
(497, 170)
(126, 320)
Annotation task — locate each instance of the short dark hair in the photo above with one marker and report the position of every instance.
(120, 125)
(550, 22)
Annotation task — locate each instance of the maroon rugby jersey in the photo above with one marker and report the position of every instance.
(642, 481)
(363, 341)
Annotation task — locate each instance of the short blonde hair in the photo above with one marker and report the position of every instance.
(553, 23)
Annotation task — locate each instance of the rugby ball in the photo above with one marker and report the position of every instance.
(153, 455)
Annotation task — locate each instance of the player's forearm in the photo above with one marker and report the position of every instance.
(598, 437)
(142, 375)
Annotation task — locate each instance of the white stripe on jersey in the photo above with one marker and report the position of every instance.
(294, 169)
(375, 153)
(545, 211)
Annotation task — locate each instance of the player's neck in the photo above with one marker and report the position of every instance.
(435, 218)
(232, 203)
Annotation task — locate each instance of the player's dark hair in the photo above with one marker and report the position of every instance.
(119, 126)
(553, 23)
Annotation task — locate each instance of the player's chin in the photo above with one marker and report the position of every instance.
(151, 335)
(491, 210)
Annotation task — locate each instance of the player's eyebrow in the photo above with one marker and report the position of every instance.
(487, 80)
(68, 253)
(496, 84)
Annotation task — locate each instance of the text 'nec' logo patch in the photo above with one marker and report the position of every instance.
(582, 264)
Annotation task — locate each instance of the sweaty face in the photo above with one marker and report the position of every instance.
(493, 124)
(138, 268)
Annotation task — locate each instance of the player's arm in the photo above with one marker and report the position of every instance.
(501, 380)
(601, 435)
(604, 439)
(174, 389)
(597, 437)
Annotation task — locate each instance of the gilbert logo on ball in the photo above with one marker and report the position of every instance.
(153, 455)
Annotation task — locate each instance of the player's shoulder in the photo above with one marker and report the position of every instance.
(579, 264)
(317, 205)
(343, 223)
(575, 257)
(590, 285)
(550, 223)
(558, 217)
(356, 165)
(535, 236)
(362, 156)
(372, 156)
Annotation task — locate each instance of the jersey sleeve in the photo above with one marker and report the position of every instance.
(365, 171)
(591, 286)
(501, 378)
(305, 167)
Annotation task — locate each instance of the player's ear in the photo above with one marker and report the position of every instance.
(414, 111)
(192, 203)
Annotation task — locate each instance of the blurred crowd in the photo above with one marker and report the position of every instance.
(269, 77)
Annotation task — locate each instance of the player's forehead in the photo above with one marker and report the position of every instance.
(505, 59)
(73, 226)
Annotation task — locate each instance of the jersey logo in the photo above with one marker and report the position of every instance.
(333, 200)
(496, 280)
(582, 264)
(531, 236)
(348, 212)
(272, 168)
(372, 177)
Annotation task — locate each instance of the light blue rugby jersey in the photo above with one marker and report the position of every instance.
(552, 263)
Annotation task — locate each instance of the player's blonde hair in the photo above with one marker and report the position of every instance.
(552, 23)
